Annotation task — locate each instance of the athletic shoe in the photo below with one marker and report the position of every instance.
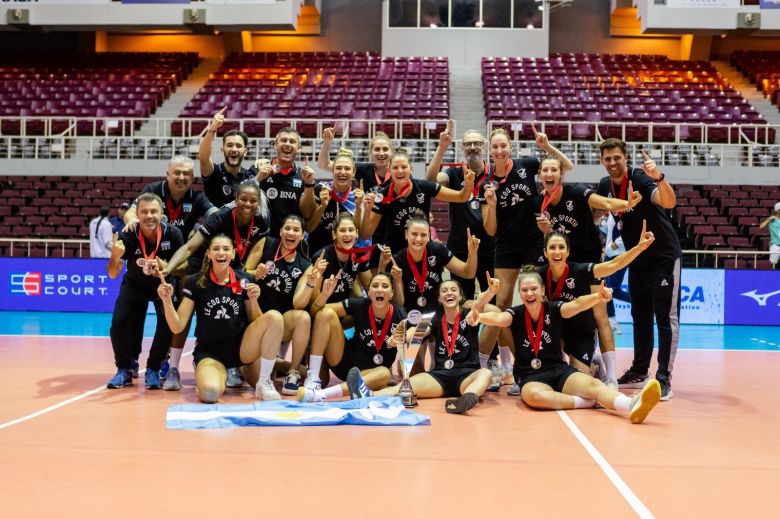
(632, 380)
(292, 382)
(312, 382)
(152, 379)
(123, 378)
(173, 381)
(643, 403)
(666, 389)
(308, 394)
(507, 376)
(357, 387)
(495, 383)
(164, 368)
(234, 379)
(134, 368)
(461, 404)
(265, 390)
(514, 390)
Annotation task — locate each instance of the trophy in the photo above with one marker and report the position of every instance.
(420, 322)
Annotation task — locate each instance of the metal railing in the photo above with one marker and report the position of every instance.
(48, 244)
(718, 260)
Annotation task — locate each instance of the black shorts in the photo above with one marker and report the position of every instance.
(451, 379)
(580, 346)
(555, 376)
(348, 362)
(229, 357)
(514, 256)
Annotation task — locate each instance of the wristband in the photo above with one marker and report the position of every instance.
(661, 178)
(308, 185)
(310, 286)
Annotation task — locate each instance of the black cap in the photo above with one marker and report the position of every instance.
(124, 205)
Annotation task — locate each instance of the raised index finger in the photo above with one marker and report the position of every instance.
(533, 129)
(160, 275)
(644, 226)
(361, 184)
(645, 155)
(222, 111)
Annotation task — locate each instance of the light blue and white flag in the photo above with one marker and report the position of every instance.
(386, 410)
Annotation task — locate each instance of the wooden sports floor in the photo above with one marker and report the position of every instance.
(70, 448)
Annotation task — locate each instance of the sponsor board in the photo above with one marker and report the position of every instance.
(753, 297)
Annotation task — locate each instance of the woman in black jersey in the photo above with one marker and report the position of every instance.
(246, 222)
(372, 348)
(335, 198)
(374, 173)
(287, 280)
(566, 280)
(546, 381)
(400, 199)
(567, 209)
(346, 264)
(422, 263)
(456, 372)
(231, 328)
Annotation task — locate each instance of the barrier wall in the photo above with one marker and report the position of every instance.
(82, 285)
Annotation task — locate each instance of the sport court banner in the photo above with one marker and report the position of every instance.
(702, 3)
(753, 297)
(701, 296)
(770, 4)
(386, 410)
(61, 285)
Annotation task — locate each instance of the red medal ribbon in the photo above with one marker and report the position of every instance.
(285, 171)
(376, 177)
(234, 284)
(536, 341)
(623, 189)
(478, 183)
(142, 240)
(509, 165)
(450, 344)
(391, 193)
(548, 199)
(357, 254)
(276, 254)
(379, 340)
(339, 199)
(241, 248)
(553, 296)
(173, 210)
(416, 273)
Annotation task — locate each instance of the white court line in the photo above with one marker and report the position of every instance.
(69, 401)
(639, 507)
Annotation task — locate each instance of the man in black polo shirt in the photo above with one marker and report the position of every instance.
(220, 180)
(654, 277)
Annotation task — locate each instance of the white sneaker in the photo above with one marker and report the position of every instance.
(308, 394)
(312, 382)
(507, 377)
(495, 383)
(265, 390)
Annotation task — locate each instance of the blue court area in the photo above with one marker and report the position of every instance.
(692, 336)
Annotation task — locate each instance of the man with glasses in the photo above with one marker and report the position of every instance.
(466, 215)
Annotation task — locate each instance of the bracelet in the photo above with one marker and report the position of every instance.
(661, 178)
(310, 286)
(308, 185)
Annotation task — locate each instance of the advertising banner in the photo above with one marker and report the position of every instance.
(753, 297)
(702, 3)
(701, 296)
(62, 285)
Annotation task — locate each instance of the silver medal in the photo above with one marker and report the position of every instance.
(421, 301)
(378, 359)
(378, 197)
(277, 168)
(449, 363)
(492, 185)
(148, 270)
(536, 363)
(244, 283)
(475, 204)
(269, 265)
(546, 214)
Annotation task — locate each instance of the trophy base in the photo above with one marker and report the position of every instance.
(409, 400)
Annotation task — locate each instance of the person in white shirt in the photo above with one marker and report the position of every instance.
(101, 233)
(613, 246)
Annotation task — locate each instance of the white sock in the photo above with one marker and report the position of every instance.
(483, 359)
(315, 363)
(506, 357)
(330, 392)
(622, 402)
(175, 357)
(583, 403)
(266, 367)
(609, 363)
(283, 349)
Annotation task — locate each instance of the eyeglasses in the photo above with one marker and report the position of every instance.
(473, 144)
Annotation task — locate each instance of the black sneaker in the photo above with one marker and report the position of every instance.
(632, 380)
(666, 389)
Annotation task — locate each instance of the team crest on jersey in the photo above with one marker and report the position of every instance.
(272, 193)
(547, 320)
(187, 208)
(432, 261)
(420, 198)
(522, 173)
(295, 272)
(227, 190)
(570, 283)
(165, 245)
(569, 205)
(297, 182)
